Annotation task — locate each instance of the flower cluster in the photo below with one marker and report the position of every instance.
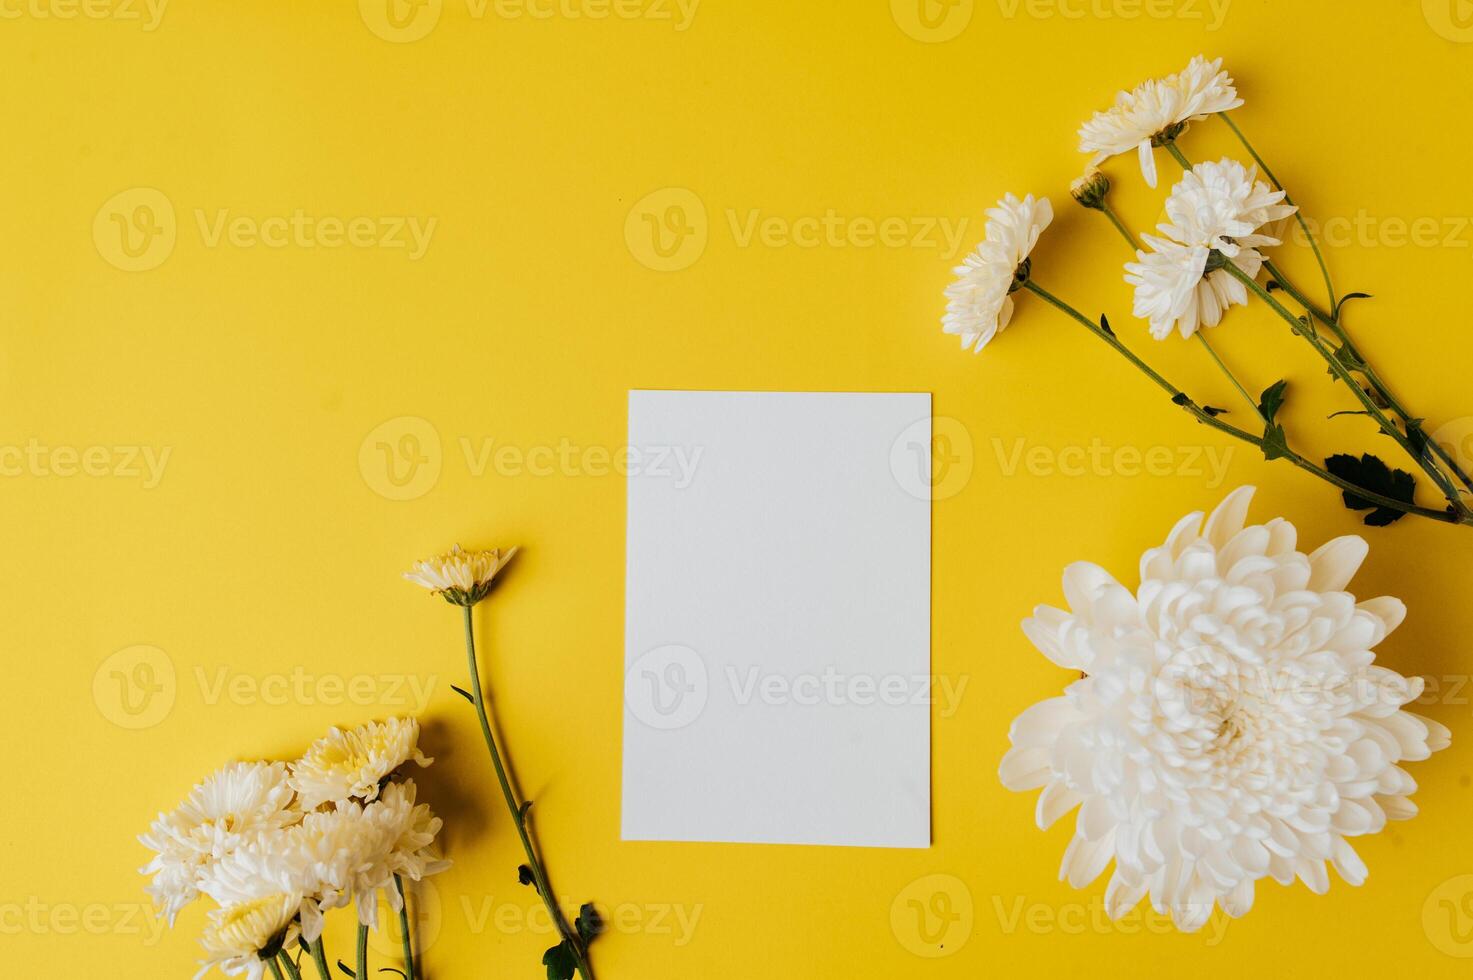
(275, 846)
(1230, 723)
(1203, 260)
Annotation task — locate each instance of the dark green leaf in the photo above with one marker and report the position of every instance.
(1418, 438)
(344, 967)
(1272, 400)
(1105, 325)
(1272, 284)
(525, 876)
(1180, 398)
(1373, 475)
(1214, 411)
(1347, 298)
(526, 806)
(590, 924)
(463, 693)
(560, 961)
(1275, 442)
(391, 969)
(1357, 411)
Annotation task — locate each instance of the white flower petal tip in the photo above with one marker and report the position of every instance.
(979, 304)
(1232, 725)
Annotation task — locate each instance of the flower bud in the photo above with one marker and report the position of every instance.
(1090, 190)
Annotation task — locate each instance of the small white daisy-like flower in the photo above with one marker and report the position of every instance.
(1157, 112)
(980, 303)
(1230, 724)
(351, 764)
(239, 936)
(462, 577)
(238, 803)
(1216, 212)
(409, 830)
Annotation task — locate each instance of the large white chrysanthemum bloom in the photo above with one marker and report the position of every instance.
(351, 764)
(980, 303)
(235, 805)
(1216, 213)
(1157, 112)
(237, 936)
(1231, 723)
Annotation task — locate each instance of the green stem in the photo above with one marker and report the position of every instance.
(289, 965)
(1299, 215)
(1178, 155)
(275, 970)
(1202, 336)
(404, 928)
(362, 969)
(1120, 225)
(518, 814)
(1343, 373)
(319, 956)
(1206, 418)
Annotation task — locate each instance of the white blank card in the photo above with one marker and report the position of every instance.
(777, 630)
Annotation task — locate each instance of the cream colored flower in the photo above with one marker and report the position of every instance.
(1090, 189)
(1230, 725)
(240, 802)
(1156, 112)
(351, 764)
(462, 577)
(980, 303)
(238, 936)
(1215, 215)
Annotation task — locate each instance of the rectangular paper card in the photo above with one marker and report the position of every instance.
(777, 632)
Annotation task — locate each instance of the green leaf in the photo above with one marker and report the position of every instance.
(590, 924)
(1180, 398)
(1105, 325)
(344, 967)
(1418, 438)
(1349, 358)
(1348, 411)
(560, 961)
(1214, 411)
(1346, 299)
(1275, 442)
(1272, 400)
(391, 969)
(463, 693)
(1372, 474)
(525, 876)
(524, 809)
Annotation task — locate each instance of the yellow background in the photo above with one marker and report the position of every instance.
(271, 545)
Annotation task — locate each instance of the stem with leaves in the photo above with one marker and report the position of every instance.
(518, 810)
(1209, 418)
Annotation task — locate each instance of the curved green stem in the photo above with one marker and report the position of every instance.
(518, 812)
(319, 956)
(1343, 373)
(1207, 418)
(289, 966)
(1202, 336)
(362, 968)
(404, 928)
(1125, 232)
(1298, 214)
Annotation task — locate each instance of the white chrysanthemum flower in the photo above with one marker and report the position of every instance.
(351, 853)
(462, 577)
(980, 303)
(1157, 112)
(237, 936)
(1231, 723)
(1215, 213)
(347, 764)
(234, 805)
